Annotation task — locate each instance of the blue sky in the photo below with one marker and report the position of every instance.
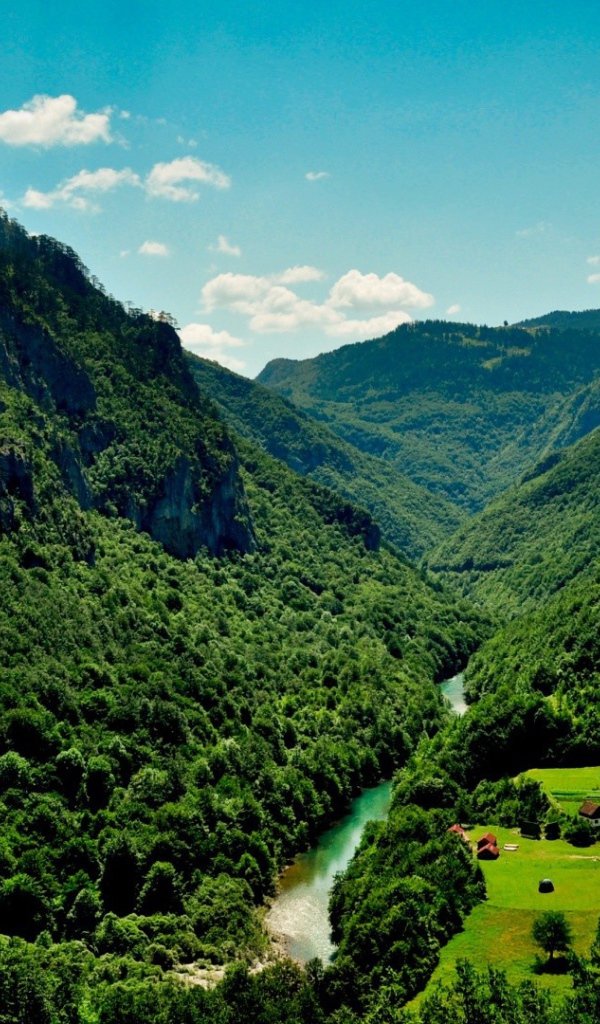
(284, 179)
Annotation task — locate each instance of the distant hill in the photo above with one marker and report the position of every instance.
(462, 410)
(585, 320)
(534, 539)
(410, 517)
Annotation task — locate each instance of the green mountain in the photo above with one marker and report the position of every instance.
(462, 410)
(585, 320)
(410, 517)
(534, 539)
(204, 655)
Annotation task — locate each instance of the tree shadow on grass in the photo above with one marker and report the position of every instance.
(556, 965)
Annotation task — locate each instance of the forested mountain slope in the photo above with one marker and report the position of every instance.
(410, 516)
(203, 654)
(462, 410)
(583, 320)
(532, 540)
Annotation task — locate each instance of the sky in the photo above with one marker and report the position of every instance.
(283, 179)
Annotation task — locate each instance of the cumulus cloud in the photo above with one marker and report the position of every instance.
(53, 121)
(203, 340)
(316, 175)
(374, 327)
(593, 260)
(225, 247)
(271, 307)
(364, 291)
(164, 180)
(298, 275)
(150, 248)
(170, 180)
(593, 279)
(76, 191)
(453, 309)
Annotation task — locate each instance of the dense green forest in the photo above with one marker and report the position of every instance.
(412, 518)
(534, 539)
(462, 410)
(212, 636)
(204, 655)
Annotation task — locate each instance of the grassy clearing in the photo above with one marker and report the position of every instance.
(569, 787)
(498, 932)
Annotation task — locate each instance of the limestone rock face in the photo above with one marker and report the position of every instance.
(183, 522)
(31, 360)
(16, 485)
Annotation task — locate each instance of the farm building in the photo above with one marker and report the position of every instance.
(459, 831)
(591, 810)
(487, 847)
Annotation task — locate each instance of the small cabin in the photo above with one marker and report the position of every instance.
(458, 830)
(488, 852)
(487, 840)
(487, 847)
(591, 811)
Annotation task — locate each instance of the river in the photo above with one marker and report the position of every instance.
(299, 913)
(453, 689)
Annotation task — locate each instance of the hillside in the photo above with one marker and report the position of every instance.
(410, 517)
(534, 539)
(585, 320)
(204, 655)
(462, 410)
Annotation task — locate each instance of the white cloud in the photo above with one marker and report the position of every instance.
(75, 191)
(298, 275)
(593, 279)
(165, 179)
(53, 121)
(316, 175)
(375, 327)
(224, 246)
(453, 309)
(150, 248)
(271, 307)
(203, 340)
(363, 291)
(593, 260)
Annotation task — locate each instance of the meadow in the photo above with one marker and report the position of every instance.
(568, 787)
(498, 931)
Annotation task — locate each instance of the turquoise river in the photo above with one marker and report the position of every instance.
(299, 913)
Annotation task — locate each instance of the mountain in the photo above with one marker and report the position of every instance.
(109, 396)
(410, 516)
(534, 539)
(204, 654)
(585, 320)
(462, 410)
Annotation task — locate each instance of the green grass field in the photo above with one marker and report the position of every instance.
(498, 932)
(568, 787)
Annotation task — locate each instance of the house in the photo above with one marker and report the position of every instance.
(488, 852)
(591, 811)
(459, 831)
(487, 847)
(487, 840)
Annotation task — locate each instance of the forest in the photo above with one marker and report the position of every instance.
(225, 610)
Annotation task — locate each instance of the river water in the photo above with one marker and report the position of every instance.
(299, 913)
(453, 689)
